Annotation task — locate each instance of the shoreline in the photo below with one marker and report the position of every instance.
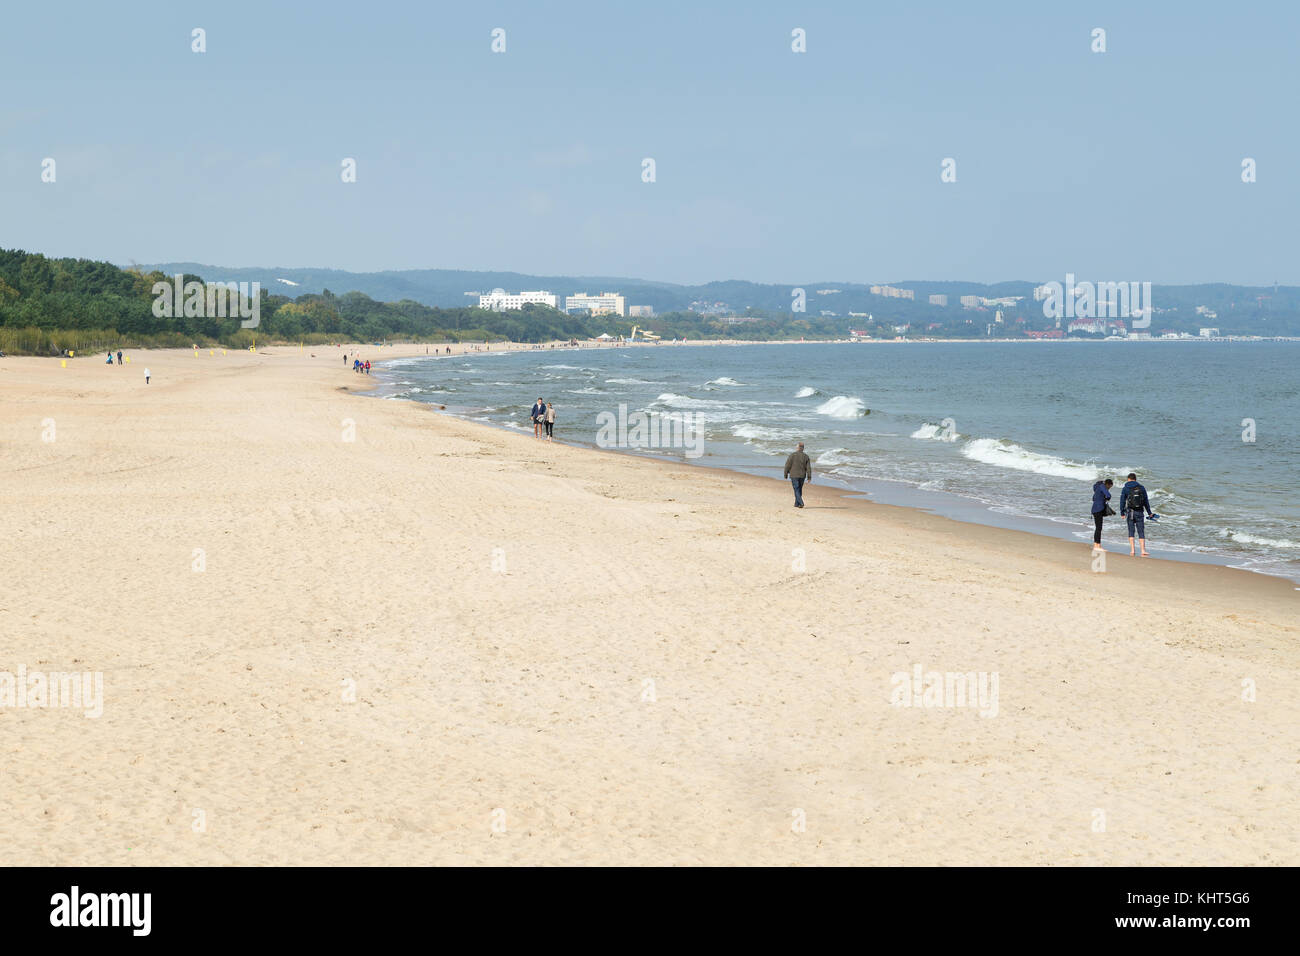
(938, 503)
(405, 623)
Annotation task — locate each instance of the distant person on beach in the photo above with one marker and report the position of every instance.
(538, 413)
(110, 358)
(1133, 502)
(345, 359)
(119, 356)
(367, 366)
(146, 376)
(798, 469)
(1100, 495)
(550, 420)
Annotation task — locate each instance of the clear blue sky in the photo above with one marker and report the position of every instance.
(771, 166)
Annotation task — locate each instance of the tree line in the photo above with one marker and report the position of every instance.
(48, 305)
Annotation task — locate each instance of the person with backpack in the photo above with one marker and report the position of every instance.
(1134, 502)
(1100, 510)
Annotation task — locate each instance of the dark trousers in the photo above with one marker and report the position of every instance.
(1097, 517)
(798, 491)
(550, 427)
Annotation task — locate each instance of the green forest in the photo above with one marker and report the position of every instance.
(51, 305)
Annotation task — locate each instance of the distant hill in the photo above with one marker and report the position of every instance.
(447, 288)
(51, 305)
(1266, 310)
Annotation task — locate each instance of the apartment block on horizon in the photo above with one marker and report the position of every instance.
(938, 300)
(892, 292)
(641, 311)
(499, 300)
(607, 303)
(971, 301)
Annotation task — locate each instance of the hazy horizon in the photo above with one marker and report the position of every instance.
(572, 274)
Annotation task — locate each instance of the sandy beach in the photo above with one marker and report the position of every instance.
(338, 630)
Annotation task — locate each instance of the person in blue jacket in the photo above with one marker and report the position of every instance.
(538, 415)
(1100, 495)
(1134, 503)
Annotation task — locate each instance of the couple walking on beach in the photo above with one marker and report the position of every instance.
(543, 415)
(1134, 505)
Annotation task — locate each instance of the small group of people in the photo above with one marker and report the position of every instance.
(1134, 505)
(110, 357)
(543, 415)
(358, 366)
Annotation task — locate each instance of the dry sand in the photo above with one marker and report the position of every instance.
(502, 606)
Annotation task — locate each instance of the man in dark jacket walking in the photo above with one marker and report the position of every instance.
(798, 469)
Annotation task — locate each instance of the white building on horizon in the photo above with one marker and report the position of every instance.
(499, 300)
(893, 292)
(606, 303)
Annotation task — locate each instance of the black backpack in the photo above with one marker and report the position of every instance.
(1137, 499)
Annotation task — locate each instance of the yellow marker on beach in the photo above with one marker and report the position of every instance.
(63, 363)
(210, 352)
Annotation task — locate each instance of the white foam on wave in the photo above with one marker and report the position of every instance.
(673, 400)
(842, 406)
(1005, 454)
(806, 392)
(1241, 537)
(832, 457)
(724, 380)
(630, 381)
(932, 432)
(752, 432)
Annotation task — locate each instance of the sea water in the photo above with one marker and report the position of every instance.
(1011, 434)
